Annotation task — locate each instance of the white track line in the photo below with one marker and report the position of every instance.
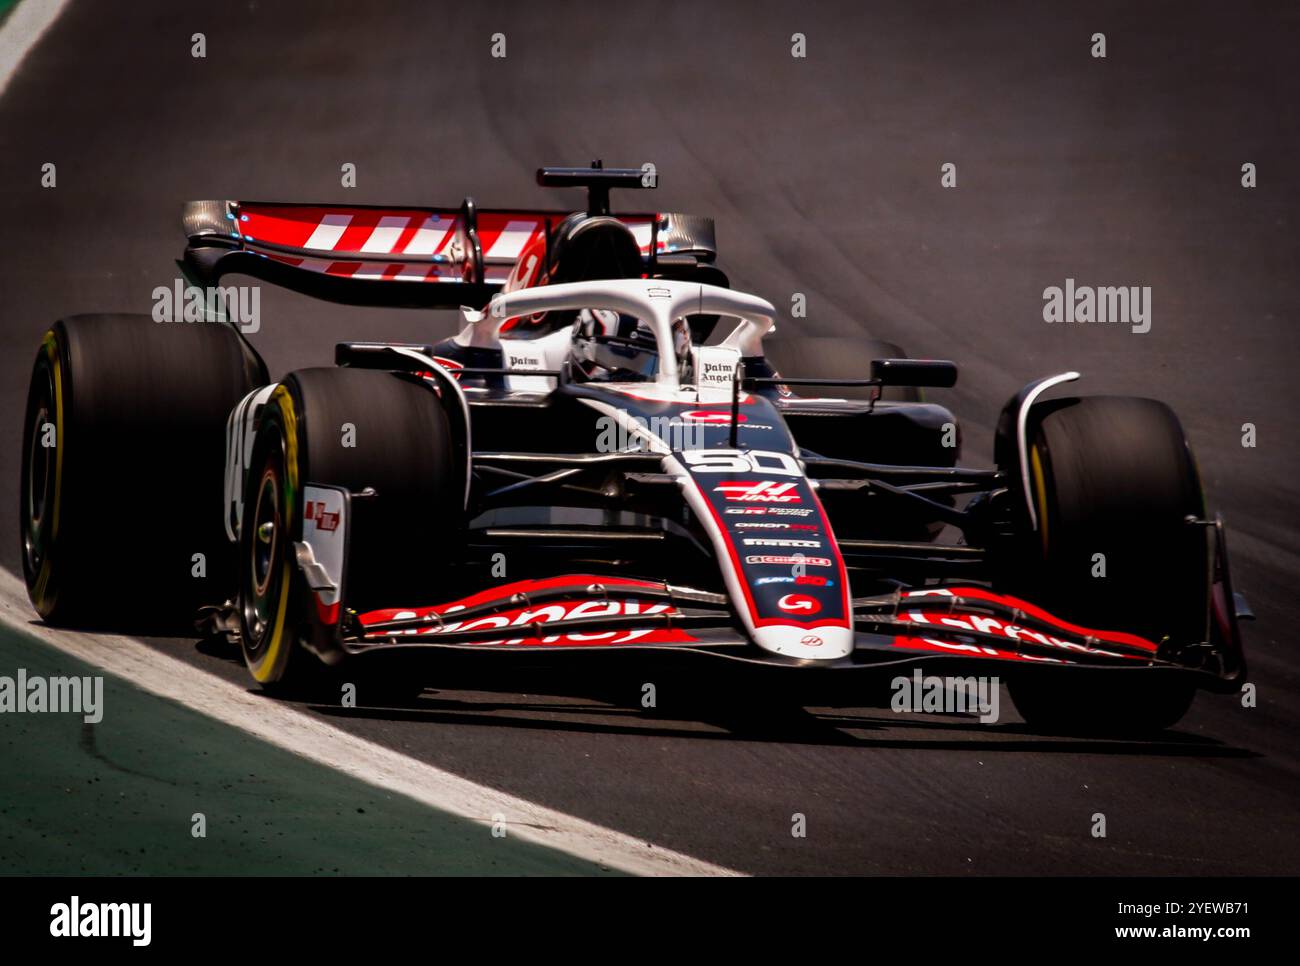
(308, 736)
(26, 23)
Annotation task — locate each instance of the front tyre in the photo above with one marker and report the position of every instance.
(268, 630)
(384, 437)
(1089, 703)
(1114, 485)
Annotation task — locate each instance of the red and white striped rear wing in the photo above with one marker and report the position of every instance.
(351, 253)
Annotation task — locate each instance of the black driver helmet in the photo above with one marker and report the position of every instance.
(583, 248)
(588, 248)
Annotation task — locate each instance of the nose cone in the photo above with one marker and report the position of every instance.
(827, 643)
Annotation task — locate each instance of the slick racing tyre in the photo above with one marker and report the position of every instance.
(122, 470)
(386, 438)
(833, 357)
(1114, 485)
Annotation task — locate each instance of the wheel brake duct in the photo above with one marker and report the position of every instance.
(1014, 423)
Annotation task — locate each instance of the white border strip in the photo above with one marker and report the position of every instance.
(26, 24)
(281, 725)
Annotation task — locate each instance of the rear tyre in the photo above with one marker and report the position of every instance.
(362, 430)
(1113, 482)
(123, 460)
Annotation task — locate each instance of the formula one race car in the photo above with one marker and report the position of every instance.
(603, 458)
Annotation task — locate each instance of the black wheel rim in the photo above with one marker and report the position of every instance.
(41, 477)
(265, 548)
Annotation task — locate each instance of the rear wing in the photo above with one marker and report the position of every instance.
(414, 257)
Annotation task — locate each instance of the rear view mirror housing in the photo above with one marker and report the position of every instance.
(930, 373)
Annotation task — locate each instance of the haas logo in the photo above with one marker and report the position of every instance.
(763, 491)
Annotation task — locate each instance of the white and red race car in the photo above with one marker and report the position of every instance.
(605, 458)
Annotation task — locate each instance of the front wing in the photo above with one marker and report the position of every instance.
(959, 624)
(962, 626)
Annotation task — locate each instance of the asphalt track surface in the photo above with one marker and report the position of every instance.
(824, 176)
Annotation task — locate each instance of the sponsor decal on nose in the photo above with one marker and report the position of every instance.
(799, 604)
(784, 559)
(759, 491)
(704, 416)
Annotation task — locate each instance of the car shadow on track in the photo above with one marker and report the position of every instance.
(608, 694)
(809, 727)
(873, 728)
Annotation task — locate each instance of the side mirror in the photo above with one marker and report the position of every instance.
(935, 373)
